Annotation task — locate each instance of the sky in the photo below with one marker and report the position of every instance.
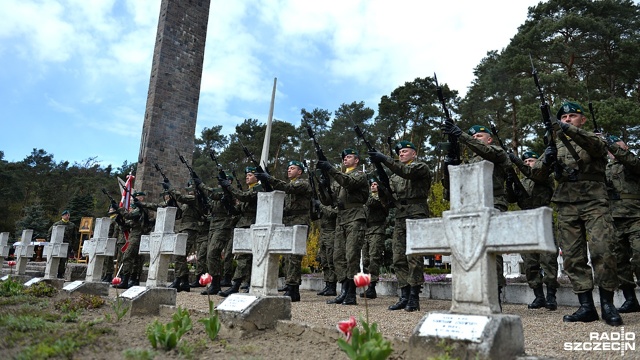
(75, 74)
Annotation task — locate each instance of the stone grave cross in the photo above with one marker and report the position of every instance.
(54, 251)
(160, 245)
(98, 248)
(267, 239)
(4, 248)
(474, 232)
(24, 251)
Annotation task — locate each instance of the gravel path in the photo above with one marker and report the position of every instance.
(545, 333)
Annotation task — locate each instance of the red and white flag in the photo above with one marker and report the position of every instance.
(125, 202)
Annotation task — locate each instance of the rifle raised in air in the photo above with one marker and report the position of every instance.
(267, 187)
(383, 178)
(325, 179)
(453, 149)
(514, 185)
(202, 199)
(227, 195)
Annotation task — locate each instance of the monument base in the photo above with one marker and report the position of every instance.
(147, 301)
(89, 288)
(56, 283)
(468, 336)
(248, 313)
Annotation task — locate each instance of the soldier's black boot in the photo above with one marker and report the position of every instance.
(539, 301)
(630, 304)
(587, 310)
(214, 286)
(610, 314)
(343, 293)
(196, 282)
(414, 299)
(124, 284)
(134, 280)
(246, 286)
(234, 289)
(370, 293)
(552, 304)
(332, 289)
(176, 282)
(184, 284)
(326, 287)
(351, 297)
(107, 277)
(293, 293)
(226, 281)
(404, 299)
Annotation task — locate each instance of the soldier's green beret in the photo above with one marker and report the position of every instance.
(139, 193)
(250, 169)
(614, 138)
(350, 151)
(479, 128)
(65, 212)
(229, 175)
(570, 108)
(404, 144)
(373, 179)
(297, 163)
(529, 155)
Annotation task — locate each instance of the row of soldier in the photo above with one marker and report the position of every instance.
(591, 179)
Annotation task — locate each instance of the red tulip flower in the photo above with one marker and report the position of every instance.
(205, 279)
(362, 280)
(116, 281)
(346, 326)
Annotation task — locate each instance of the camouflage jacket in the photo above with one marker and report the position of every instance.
(221, 215)
(192, 211)
(376, 213)
(351, 191)
(539, 193)
(500, 161)
(297, 202)
(248, 204)
(328, 216)
(590, 181)
(410, 183)
(623, 183)
(70, 231)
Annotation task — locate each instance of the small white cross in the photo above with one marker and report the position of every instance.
(24, 251)
(98, 248)
(54, 251)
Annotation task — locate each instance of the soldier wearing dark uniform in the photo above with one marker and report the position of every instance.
(410, 183)
(583, 208)
(328, 215)
(194, 214)
(227, 254)
(623, 184)
(248, 206)
(70, 237)
(351, 193)
(297, 203)
(480, 140)
(540, 268)
(374, 237)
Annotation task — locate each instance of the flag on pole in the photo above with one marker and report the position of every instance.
(125, 202)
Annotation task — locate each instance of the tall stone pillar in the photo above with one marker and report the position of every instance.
(174, 90)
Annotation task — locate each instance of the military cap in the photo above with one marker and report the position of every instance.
(373, 179)
(570, 108)
(139, 193)
(250, 169)
(529, 155)
(65, 212)
(297, 163)
(350, 151)
(478, 129)
(404, 144)
(112, 210)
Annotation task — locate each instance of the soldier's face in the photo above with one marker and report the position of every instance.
(251, 178)
(530, 161)
(66, 217)
(484, 137)
(350, 161)
(374, 187)
(576, 120)
(405, 155)
(293, 172)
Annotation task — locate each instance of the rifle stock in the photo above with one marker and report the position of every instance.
(227, 195)
(325, 179)
(514, 185)
(382, 175)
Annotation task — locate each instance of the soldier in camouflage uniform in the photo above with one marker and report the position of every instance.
(70, 237)
(480, 140)
(537, 194)
(351, 191)
(374, 237)
(227, 263)
(297, 204)
(223, 211)
(583, 208)
(194, 213)
(623, 184)
(248, 206)
(115, 231)
(411, 183)
(328, 215)
(202, 241)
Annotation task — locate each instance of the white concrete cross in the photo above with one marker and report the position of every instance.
(511, 264)
(24, 251)
(54, 251)
(474, 232)
(267, 239)
(4, 248)
(160, 245)
(98, 248)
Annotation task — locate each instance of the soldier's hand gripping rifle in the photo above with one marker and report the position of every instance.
(114, 204)
(514, 185)
(266, 186)
(238, 184)
(202, 199)
(453, 149)
(325, 179)
(383, 178)
(315, 199)
(166, 185)
(225, 183)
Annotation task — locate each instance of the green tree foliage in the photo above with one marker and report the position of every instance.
(33, 217)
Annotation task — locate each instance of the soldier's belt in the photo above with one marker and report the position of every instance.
(617, 196)
(585, 177)
(412, 201)
(349, 206)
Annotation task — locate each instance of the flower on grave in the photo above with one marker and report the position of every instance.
(205, 279)
(346, 326)
(118, 307)
(362, 279)
(11, 264)
(116, 281)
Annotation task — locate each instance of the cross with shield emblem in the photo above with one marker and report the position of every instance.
(267, 239)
